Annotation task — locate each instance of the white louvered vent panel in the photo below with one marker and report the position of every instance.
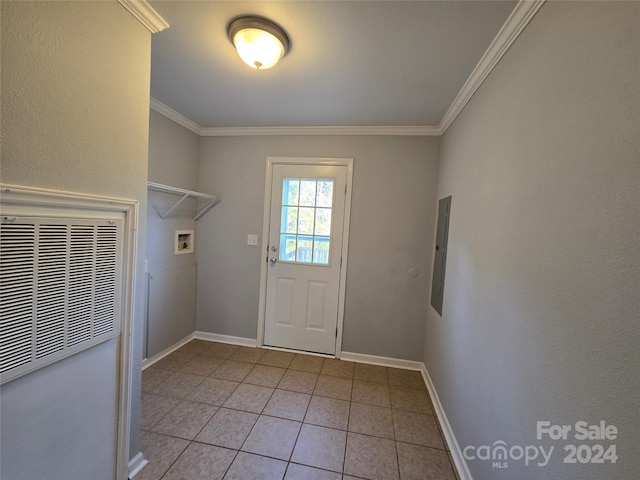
(17, 245)
(105, 279)
(52, 282)
(60, 289)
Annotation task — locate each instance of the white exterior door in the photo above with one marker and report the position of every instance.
(304, 256)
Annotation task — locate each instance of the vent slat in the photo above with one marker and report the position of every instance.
(15, 330)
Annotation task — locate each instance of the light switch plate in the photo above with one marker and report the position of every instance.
(252, 240)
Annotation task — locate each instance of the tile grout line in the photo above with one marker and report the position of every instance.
(393, 422)
(301, 425)
(346, 438)
(173, 463)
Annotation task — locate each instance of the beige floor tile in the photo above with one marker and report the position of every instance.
(405, 378)
(201, 462)
(173, 360)
(371, 457)
(302, 472)
(161, 451)
(228, 428)
(370, 373)
(275, 358)
(248, 354)
(232, 370)
(303, 382)
(154, 409)
(247, 466)
(410, 400)
(220, 350)
(185, 420)
(265, 376)
(337, 368)
(153, 379)
(285, 404)
(371, 394)
(320, 447)
(199, 365)
(446, 447)
(334, 387)
(328, 412)
(181, 396)
(272, 437)
(423, 463)
(194, 346)
(371, 420)
(417, 428)
(213, 391)
(179, 385)
(307, 363)
(249, 398)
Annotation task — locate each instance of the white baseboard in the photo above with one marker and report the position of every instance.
(447, 431)
(382, 361)
(147, 362)
(215, 337)
(136, 464)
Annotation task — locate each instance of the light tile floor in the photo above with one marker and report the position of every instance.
(213, 411)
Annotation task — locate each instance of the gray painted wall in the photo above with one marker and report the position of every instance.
(392, 218)
(541, 302)
(173, 160)
(75, 100)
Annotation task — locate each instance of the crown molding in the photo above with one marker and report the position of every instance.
(519, 18)
(321, 130)
(145, 14)
(171, 114)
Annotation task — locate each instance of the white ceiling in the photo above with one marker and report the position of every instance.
(352, 63)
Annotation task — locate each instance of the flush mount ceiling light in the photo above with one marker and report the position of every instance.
(260, 42)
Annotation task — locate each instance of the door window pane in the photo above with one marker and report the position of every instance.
(323, 221)
(305, 220)
(289, 220)
(321, 250)
(287, 248)
(305, 245)
(325, 193)
(290, 190)
(305, 223)
(308, 192)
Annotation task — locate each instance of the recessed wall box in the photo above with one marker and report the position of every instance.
(184, 242)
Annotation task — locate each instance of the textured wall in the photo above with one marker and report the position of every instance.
(392, 217)
(75, 116)
(173, 160)
(541, 304)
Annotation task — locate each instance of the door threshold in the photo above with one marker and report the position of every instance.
(301, 352)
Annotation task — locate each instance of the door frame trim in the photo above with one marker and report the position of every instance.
(310, 161)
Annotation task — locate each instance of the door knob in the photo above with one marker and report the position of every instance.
(274, 248)
(273, 260)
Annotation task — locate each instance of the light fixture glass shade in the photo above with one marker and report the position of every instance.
(259, 42)
(257, 48)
